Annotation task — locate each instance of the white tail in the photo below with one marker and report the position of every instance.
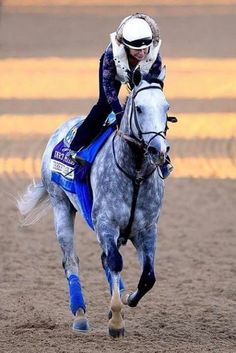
(34, 203)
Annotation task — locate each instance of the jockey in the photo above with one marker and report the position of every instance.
(136, 43)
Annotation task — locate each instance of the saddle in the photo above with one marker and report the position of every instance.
(73, 177)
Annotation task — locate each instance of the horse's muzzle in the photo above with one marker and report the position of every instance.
(158, 156)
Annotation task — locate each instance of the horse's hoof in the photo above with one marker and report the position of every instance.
(116, 333)
(81, 325)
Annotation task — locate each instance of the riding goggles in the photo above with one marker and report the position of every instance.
(136, 44)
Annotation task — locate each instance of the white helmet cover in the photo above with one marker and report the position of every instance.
(137, 34)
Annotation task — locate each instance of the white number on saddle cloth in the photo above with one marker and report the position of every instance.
(63, 169)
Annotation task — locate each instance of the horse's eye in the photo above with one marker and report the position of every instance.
(139, 110)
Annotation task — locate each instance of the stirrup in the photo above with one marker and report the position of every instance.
(77, 159)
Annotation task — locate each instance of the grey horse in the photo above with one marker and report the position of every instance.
(127, 188)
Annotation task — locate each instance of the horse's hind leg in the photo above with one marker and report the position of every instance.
(64, 215)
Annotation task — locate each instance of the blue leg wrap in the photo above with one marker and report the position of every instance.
(76, 296)
(109, 280)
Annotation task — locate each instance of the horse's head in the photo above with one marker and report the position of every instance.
(147, 117)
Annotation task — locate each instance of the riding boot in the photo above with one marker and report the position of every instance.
(88, 130)
(166, 168)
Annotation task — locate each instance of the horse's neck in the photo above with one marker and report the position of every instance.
(124, 154)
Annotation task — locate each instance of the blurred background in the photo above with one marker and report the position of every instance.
(49, 52)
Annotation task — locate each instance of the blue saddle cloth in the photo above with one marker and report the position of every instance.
(75, 178)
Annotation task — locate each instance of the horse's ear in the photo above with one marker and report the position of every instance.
(162, 74)
(137, 77)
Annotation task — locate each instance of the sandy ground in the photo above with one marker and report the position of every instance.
(192, 307)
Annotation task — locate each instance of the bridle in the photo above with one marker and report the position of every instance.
(133, 114)
(137, 142)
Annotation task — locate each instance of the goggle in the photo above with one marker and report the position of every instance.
(138, 43)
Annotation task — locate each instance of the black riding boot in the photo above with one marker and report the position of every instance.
(88, 130)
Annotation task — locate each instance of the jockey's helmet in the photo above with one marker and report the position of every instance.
(137, 34)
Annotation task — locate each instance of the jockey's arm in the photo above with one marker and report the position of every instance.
(154, 71)
(109, 78)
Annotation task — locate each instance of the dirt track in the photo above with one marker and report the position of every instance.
(192, 308)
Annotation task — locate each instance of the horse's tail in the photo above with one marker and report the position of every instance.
(34, 203)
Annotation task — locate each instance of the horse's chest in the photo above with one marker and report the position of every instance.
(118, 201)
(129, 206)
(147, 204)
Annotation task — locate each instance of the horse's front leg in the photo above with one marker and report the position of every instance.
(113, 264)
(64, 215)
(116, 324)
(109, 276)
(145, 243)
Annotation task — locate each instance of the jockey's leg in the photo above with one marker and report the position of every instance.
(145, 243)
(64, 215)
(92, 125)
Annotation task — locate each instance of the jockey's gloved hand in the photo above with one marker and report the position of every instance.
(119, 117)
(130, 78)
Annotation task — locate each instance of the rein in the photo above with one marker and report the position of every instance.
(137, 180)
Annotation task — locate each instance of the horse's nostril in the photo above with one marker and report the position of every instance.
(162, 156)
(152, 150)
(167, 149)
